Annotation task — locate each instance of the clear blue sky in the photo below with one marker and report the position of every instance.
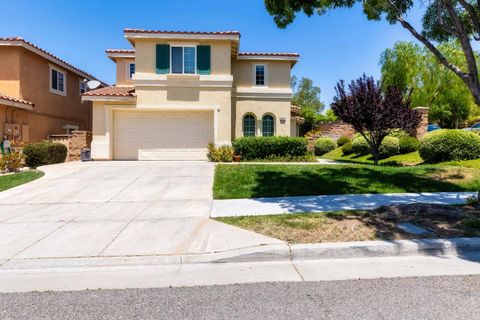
(340, 45)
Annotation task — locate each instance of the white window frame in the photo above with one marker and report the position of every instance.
(128, 70)
(183, 58)
(80, 87)
(59, 92)
(254, 75)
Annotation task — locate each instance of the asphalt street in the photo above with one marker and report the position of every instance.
(446, 297)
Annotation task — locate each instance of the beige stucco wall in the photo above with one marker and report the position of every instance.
(145, 52)
(123, 69)
(10, 71)
(278, 73)
(279, 108)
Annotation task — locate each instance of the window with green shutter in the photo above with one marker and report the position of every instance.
(163, 59)
(203, 59)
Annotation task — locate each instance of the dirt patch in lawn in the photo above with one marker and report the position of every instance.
(455, 174)
(440, 221)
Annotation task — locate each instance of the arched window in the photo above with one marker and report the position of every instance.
(249, 126)
(268, 126)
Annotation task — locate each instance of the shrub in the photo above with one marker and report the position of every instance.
(390, 146)
(360, 146)
(220, 154)
(347, 149)
(11, 162)
(251, 148)
(343, 140)
(398, 133)
(408, 144)
(449, 145)
(324, 145)
(43, 153)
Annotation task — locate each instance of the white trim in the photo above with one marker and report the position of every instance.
(138, 35)
(47, 56)
(115, 55)
(265, 75)
(105, 98)
(186, 107)
(183, 46)
(260, 92)
(58, 70)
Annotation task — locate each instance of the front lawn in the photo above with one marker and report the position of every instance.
(12, 180)
(439, 221)
(400, 159)
(254, 181)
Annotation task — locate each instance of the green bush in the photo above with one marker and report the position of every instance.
(324, 145)
(399, 133)
(408, 144)
(219, 154)
(389, 147)
(43, 153)
(252, 148)
(343, 140)
(449, 145)
(347, 149)
(360, 146)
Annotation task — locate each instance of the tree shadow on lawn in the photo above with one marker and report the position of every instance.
(347, 180)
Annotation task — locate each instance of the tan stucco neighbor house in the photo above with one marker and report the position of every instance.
(40, 94)
(177, 91)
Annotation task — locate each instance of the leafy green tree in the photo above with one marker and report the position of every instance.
(307, 97)
(410, 67)
(443, 20)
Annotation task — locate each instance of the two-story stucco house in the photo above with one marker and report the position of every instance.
(40, 94)
(178, 91)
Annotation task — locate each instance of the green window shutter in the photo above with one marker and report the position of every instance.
(203, 59)
(163, 59)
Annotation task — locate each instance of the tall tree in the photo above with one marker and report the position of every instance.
(442, 20)
(307, 96)
(374, 112)
(409, 66)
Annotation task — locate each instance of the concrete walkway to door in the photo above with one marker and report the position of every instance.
(102, 212)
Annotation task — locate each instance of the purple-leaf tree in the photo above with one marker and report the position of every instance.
(373, 112)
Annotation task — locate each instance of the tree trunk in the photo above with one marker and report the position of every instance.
(375, 156)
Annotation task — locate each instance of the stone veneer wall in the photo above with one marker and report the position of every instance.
(79, 140)
(339, 128)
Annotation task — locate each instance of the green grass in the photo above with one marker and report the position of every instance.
(12, 180)
(253, 181)
(400, 159)
(466, 163)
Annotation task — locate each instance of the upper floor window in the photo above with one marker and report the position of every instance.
(260, 77)
(183, 59)
(131, 70)
(58, 81)
(83, 87)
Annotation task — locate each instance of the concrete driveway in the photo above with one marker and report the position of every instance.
(79, 211)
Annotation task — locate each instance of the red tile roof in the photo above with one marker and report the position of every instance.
(3, 96)
(112, 92)
(226, 33)
(21, 40)
(269, 54)
(120, 51)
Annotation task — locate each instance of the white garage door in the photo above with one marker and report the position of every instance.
(162, 135)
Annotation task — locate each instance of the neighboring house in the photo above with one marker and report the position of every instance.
(178, 91)
(40, 94)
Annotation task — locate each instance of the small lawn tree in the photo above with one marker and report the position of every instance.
(374, 112)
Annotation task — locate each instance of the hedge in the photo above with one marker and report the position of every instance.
(347, 149)
(252, 148)
(389, 147)
(324, 145)
(343, 140)
(449, 145)
(408, 144)
(43, 153)
(360, 146)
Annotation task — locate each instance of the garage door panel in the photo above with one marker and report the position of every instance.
(150, 135)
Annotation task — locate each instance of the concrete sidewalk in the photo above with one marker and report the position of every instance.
(281, 205)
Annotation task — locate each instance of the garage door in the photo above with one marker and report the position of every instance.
(162, 135)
